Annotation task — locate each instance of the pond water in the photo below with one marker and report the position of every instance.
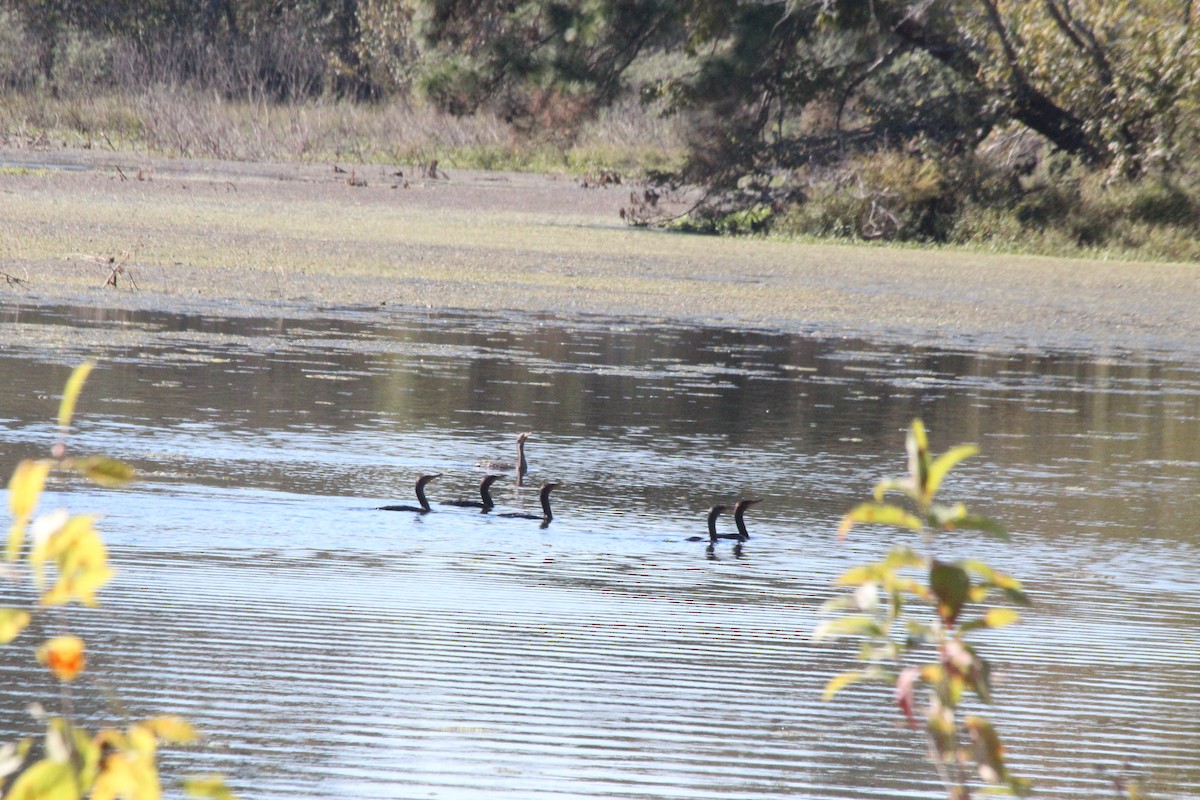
(329, 650)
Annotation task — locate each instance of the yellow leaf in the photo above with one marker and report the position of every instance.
(881, 513)
(999, 617)
(142, 739)
(12, 622)
(45, 780)
(24, 489)
(932, 673)
(857, 576)
(208, 787)
(81, 558)
(840, 682)
(66, 409)
(111, 738)
(116, 779)
(172, 728)
(26, 485)
(943, 464)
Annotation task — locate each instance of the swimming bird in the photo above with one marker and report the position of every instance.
(484, 492)
(739, 512)
(713, 536)
(521, 466)
(544, 497)
(424, 507)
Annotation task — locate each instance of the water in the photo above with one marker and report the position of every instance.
(330, 650)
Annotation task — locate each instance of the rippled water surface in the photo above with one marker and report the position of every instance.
(333, 651)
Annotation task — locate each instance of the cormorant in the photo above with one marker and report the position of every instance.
(522, 466)
(486, 504)
(544, 497)
(424, 507)
(739, 511)
(713, 536)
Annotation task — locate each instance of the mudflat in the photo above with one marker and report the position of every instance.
(132, 230)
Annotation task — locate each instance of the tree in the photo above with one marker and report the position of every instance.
(774, 88)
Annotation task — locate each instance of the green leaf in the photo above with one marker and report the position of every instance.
(1010, 586)
(847, 626)
(103, 471)
(943, 464)
(902, 556)
(66, 408)
(950, 584)
(921, 634)
(989, 756)
(917, 444)
(976, 522)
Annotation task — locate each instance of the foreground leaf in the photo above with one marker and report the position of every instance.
(24, 489)
(12, 622)
(107, 472)
(211, 787)
(172, 728)
(45, 780)
(906, 694)
(66, 408)
(847, 626)
(943, 464)
(12, 756)
(950, 584)
(845, 679)
(881, 513)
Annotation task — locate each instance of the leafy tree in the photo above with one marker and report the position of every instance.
(778, 88)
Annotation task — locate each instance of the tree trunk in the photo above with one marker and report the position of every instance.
(1028, 105)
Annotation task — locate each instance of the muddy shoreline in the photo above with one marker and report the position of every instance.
(252, 239)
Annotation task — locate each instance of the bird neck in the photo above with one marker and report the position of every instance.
(712, 523)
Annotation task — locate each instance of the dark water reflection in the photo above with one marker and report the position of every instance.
(333, 651)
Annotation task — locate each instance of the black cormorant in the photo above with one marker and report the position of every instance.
(424, 507)
(739, 512)
(544, 497)
(485, 503)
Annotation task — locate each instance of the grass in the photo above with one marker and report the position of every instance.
(204, 125)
